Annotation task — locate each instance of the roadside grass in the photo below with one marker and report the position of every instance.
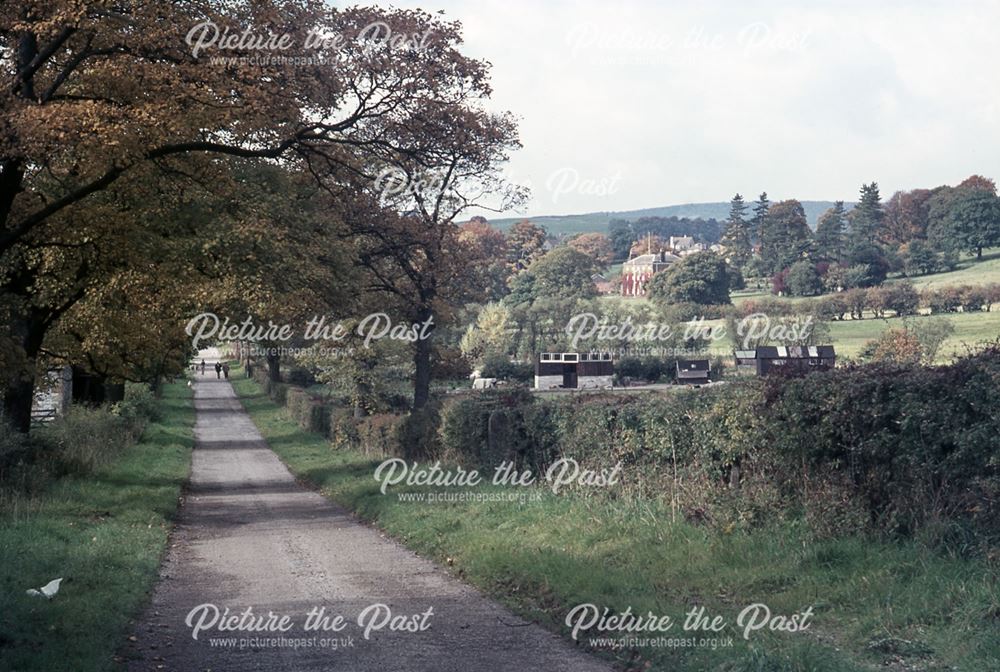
(104, 533)
(895, 606)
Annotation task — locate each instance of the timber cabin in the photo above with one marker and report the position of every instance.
(573, 370)
(801, 357)
(693, 371)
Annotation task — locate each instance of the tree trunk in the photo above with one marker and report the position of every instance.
(11, 180)
(274, 368)
(155, 384)
(363, 389)
(17, 397)
(422, 365)
(19, 386)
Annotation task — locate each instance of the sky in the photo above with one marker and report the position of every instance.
(626, 105)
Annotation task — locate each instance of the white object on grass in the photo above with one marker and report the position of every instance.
(47, 591)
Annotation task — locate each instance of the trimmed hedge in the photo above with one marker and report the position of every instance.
(909, 451)
(916, 445)
(381, 435)
(309, 412)
(276, 391)
(898, 450)
(900, 299)
(498, 425)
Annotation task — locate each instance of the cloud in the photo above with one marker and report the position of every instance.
(694, 102)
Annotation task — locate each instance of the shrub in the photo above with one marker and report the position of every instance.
(681, 312)
(897, 346)
(416, 433)
(541, 437)
(973, 298)
(885, 448)
(915, 444)
(857, 302)
(769, 306)
(377, 435)
(295, 401)
(652, 369)
(278, 392)
(991, 294)
(944, 300)
(463, 428)
(83, 439)
(319, 418)
(308, 412)
(862, 275)
(485, 429)
(901, 298)
(877, 299)
(501, 367)
(344, 430)
(833, 307)
(300, 376)
(932, 332)
(261, 374)
(14, 446)
(801, 279)
(275, 390)
(138, 407)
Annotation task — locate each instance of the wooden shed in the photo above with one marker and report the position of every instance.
(693, 371)
(801, 357)
(573, 370)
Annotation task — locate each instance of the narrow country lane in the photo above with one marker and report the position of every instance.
(250, 536)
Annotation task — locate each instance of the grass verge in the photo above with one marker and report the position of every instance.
(104, 533)
(876, 605)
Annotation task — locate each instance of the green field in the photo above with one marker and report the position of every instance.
(850, 336)
(971, 329)
(104, 534)
(970, 271)
(877, 605)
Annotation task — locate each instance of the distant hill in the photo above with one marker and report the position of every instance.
(598, 221)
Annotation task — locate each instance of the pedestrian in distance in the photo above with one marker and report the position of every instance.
(225, 371)
(203, 367)
(218, 370)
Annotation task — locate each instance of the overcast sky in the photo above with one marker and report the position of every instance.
(626, 105)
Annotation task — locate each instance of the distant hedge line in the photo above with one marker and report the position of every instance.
(898, 298)
(908, 451)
